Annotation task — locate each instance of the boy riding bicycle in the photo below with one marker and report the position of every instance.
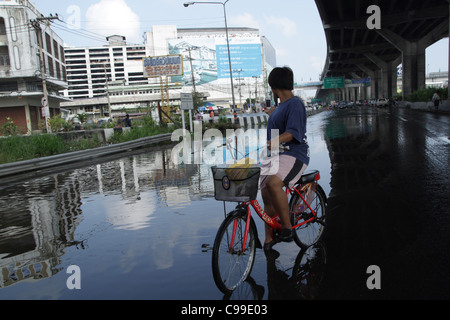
(289, 118)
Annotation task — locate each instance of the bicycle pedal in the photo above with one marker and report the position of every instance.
(206, 247)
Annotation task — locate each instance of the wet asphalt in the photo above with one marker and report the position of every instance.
(389, 205)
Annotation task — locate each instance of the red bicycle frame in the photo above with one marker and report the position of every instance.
(271, 221)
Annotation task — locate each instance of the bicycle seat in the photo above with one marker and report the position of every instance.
(310, 177)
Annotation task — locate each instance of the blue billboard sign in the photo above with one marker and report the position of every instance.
(246, 58)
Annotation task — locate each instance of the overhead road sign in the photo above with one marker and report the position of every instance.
(334, 83)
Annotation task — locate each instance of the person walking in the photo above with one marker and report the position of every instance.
(289, 120)
(436, 100)
(127, 121)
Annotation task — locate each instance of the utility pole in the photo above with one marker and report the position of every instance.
(240, 95)
(45, 102)
(107, 88)
(194, 94)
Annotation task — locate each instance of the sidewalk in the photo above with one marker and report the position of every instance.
(444, 107)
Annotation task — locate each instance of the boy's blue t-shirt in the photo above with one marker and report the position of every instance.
(290, 116)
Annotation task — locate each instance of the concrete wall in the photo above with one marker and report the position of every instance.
(426, 106)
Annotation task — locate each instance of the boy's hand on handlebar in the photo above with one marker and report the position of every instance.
(269, 110)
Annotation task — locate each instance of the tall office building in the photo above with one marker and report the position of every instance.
(91, 69)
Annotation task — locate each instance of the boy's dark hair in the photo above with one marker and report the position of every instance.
(282, 78)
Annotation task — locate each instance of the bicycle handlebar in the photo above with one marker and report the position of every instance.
(227, 144)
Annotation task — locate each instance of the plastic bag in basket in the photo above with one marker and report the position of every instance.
(240, 169)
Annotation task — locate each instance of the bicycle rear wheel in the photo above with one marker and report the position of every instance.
(230, 264)
(308, 233)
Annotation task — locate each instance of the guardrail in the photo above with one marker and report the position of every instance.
(21, 167)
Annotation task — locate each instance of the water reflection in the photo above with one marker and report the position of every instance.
(134, 221)
(39, 218)
(298, 281)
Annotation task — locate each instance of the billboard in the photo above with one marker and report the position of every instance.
(246, 57)
(198, 53)
(171, 65)
(209, 58)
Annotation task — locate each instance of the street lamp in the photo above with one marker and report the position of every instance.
(187, 4)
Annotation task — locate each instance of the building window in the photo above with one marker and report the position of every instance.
(4, 57)
(2, 27)
(9, 86)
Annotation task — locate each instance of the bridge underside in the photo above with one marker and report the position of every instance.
(408, 28)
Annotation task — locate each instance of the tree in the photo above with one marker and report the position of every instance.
(198, 99)
(82, 117)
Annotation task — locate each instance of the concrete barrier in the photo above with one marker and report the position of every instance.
(426, 106)
(104, 135)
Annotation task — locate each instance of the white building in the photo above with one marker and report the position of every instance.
(112, 77)
(206, 60)
(109, 78)
(21, 89)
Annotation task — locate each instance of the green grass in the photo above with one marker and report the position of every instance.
(138, 133)
(17, 148)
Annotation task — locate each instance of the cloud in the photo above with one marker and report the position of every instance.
(245, 20)
(287, 27)
(110, 17)
(316, 63)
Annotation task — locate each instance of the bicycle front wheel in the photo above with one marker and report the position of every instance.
(311, 227)
(231, 261)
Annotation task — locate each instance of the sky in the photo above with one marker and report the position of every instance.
(293, 27)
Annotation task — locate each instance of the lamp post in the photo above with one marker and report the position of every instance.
(187, 4)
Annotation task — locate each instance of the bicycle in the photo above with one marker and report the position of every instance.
(237, 239)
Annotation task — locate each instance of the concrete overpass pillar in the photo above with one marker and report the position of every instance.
(413, 69)
(388, 76)
(413, 56)
(360, 91)
(373, 81)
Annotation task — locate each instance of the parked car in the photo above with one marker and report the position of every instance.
(382, 103)
(342, 105)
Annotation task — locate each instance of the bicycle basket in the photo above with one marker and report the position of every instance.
(236, 183)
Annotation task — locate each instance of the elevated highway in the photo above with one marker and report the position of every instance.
(357, 51)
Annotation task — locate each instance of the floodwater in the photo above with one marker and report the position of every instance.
(137, 226)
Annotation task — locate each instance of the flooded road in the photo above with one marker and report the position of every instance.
(140, 227)
(134, 225)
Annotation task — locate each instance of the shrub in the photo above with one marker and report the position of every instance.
(9, 128)
(426, 95)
